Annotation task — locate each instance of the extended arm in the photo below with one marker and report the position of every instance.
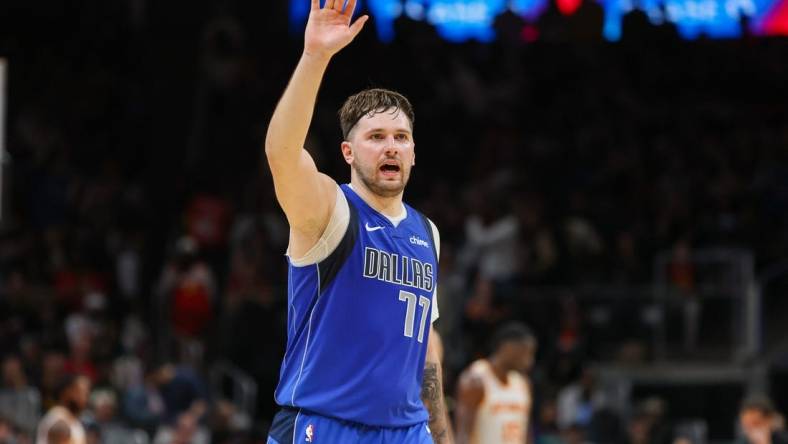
(432, 391)
(307, 196)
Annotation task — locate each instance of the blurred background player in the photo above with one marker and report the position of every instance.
(61, 424)
(494, 395)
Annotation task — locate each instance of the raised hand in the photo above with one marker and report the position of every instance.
(328, 29)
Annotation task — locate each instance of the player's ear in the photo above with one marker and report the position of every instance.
(347, 152)
(414, 156)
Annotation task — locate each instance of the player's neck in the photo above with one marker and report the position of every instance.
(499, 370)
(388, 206)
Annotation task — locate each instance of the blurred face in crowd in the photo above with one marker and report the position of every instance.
(77, 395)
(573, 435)
(756, 425)
(548, 414)
(6, 433)
(639, 429)
(519, 355)
(381, 151)
(103, 406)
(81, 345)
(185, 429)
(93, 436)
(13, 375)
(164, 375)
(52, 369)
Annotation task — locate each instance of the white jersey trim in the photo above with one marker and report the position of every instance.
(332, 235)
(435, 235)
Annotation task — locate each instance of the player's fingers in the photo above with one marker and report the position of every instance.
(358, 25)
(329, 4)
(338, 5)
(350, 7)
(315, 4)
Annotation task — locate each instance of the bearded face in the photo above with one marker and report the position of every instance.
(381, 152)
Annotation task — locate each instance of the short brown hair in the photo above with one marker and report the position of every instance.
(370, 102)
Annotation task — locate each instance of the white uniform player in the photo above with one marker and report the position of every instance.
(494, 399)
(60, 417)
(502, 416)
(61, 424)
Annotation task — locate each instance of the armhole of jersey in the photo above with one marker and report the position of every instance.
(432, 231)
(332, 235)
(330, 266)
(435, 238)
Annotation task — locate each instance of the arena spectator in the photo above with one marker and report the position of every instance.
(20, 402)
(760, 423)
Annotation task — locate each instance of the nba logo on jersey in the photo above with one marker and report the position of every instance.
(310, 432)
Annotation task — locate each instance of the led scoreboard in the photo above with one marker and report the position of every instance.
(461, 20)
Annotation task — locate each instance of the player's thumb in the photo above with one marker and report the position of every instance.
(356, 27)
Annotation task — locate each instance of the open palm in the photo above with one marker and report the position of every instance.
(328, 29)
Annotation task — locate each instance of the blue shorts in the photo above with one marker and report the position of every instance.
(292, 426)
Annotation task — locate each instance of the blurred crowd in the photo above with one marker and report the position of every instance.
(141, 246)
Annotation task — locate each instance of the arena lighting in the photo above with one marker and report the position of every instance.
(462, 20)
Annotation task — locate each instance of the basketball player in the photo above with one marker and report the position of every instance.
(494, 395)
(362, 362)
(61, 423)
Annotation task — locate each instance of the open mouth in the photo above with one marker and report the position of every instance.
(389, 168)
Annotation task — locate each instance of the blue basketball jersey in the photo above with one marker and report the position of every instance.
(359, 322)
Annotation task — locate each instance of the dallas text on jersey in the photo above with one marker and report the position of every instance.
(396, 269)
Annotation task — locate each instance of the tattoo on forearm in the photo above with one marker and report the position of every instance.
(430, 388)
(432, 395)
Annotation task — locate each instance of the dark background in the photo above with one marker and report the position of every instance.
(133, 124)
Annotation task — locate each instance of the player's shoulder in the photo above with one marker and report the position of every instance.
(328, 189)
(332, 235)
(470, 387)
(473, 375)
